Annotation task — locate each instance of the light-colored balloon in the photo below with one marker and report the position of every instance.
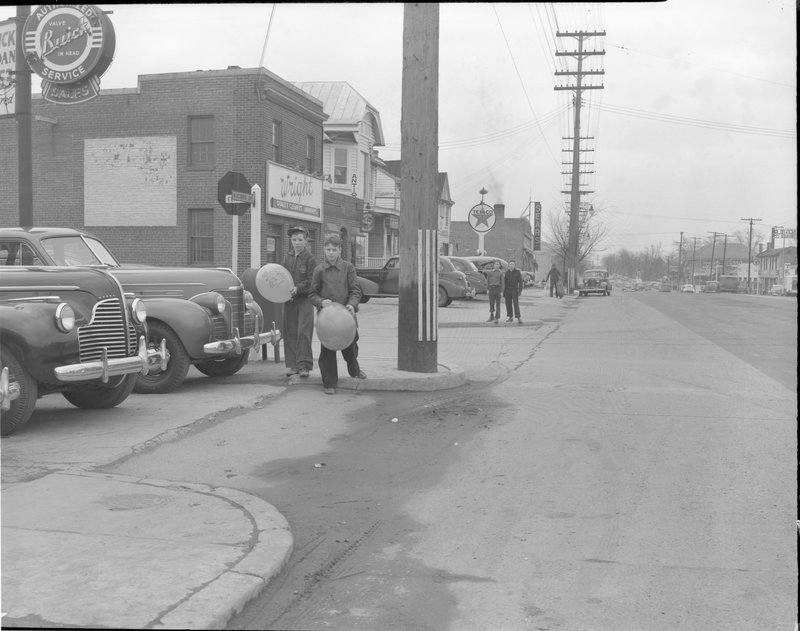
(274, 282)
(336, 327)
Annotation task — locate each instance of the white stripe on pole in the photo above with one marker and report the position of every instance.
(419, 285)
(435, 284)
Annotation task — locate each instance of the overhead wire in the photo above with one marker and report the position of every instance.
(522, 83)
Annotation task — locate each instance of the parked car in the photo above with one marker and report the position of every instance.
(204, 315)
(485, 263)
(777, 290)
(688, 288)
(71, 331)
(476, 280)
(452, 283)
(628, 287)
(594, 281)
(665, 287)
(527, 278)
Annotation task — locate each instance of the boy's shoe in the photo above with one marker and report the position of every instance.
(361, 375)
(329, 390)
(291, 371)
(509, 319)
(519, 320)
(304, 372)
(496, 320)
(491, 318)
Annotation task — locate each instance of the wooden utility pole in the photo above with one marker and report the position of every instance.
(23, 115)
(680, 266)
(713, 269)
(575, 192)
(749, 249)
(419, 199)
(724, 251)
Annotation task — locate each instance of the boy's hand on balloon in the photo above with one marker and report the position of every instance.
(350, 308)
(326, 302)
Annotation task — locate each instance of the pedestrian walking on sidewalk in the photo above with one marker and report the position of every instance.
(334, 280)
(298, 312)
(495, 284)
(554, 276)
(513, 288)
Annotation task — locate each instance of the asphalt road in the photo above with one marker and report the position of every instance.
(614, 463)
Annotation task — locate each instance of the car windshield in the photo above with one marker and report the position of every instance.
(76, 250)
(595, 274)
(464, 266)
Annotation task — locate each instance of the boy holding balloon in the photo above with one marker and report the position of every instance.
(334, 283)
(298, 312)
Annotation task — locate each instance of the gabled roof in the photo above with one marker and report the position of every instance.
(344, 106)
(393, 167)
(789, 251)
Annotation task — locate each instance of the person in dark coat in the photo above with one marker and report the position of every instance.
(554, 276)
(298, 312)
(335, 280)
(513, 288)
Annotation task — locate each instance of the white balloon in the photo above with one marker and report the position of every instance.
(274, 282)
(336, 327)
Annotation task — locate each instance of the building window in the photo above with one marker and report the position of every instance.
(310, 146)
(340, 166)
(276, 141)
(201, 236)
(201, 141)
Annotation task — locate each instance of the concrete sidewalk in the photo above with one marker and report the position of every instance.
(85, 549)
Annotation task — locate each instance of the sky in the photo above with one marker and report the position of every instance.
(694, 129)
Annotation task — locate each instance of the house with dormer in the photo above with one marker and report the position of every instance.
(360, 201)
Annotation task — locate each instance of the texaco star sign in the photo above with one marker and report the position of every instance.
(481, 218)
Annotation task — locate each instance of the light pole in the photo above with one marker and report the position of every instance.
(749, 249)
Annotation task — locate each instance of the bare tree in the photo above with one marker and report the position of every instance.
(591, 233)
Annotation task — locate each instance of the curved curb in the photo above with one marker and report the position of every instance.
(213, 604)
(391, 379)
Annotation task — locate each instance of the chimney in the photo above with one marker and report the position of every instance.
(499, 211)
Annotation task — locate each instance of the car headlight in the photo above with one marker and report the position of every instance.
(221, 302)
(139, 311)
(65, 318)
(249, 301)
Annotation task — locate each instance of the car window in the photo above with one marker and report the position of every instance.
(73, 250)
(595, 274)
(445, 265)
(15, 253)
(392, 263)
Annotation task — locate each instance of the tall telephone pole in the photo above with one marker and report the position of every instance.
(713, 269)
(575, 192)
(694, 250)
(680, 266)
(749, 249)
(419, 168)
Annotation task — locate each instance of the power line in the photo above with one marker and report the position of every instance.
(522, 83)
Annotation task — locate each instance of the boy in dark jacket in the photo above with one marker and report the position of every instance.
(495, 284)
(334, 280)
(512, 291)
(298, 313)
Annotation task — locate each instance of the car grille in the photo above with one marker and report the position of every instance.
(108, 329)
(236, 298)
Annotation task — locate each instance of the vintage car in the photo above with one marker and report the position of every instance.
(485, 263)
(69, 330)
(594, 281)
(452, 283)
(204, 315)
(477, 281)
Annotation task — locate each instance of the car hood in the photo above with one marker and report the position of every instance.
(174, 282)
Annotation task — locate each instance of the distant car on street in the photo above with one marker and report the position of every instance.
(628, 287)
(665, 287)
(594, 281)
(688, 288)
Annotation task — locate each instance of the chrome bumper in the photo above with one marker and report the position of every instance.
(104, 368)
(8, 390)
(240, 344)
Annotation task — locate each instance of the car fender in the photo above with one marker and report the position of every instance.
(191, 322)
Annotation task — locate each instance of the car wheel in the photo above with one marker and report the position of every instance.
(102, 397)
(21, 407)
(222, 367)
(442, 299)
(161, 382)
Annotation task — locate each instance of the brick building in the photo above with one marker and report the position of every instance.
(139, 167)
(509, 238)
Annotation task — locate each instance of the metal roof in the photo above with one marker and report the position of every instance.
(343, 105)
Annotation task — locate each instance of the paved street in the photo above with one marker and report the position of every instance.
(610, 464)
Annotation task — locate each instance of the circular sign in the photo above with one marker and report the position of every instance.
(336, 327)
(68, 43)
(274, 283)
(367, 221)
(481, 217)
